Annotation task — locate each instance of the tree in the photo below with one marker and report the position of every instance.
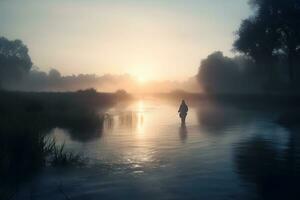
(15, 61)
(219, 74)
(273, 31)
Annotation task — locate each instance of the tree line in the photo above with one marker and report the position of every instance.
(267, 43)
(269, 46)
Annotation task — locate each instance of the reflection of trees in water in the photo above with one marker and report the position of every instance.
(84, 132)
(109, 121)
(274, 170)
(131, 120)
(128, 119)
(82, 125)
(216, 118)
(25, 120)
(125, 120)
(276, 174)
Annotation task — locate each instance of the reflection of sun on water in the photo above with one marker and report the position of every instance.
(133, 121)
(141, 106)
(141, 155)
(140, 120)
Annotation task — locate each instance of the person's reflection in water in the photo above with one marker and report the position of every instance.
(183, 110)
(183, 132)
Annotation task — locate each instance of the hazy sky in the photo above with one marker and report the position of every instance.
(153, 39)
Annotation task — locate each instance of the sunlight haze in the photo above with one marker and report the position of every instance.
(150, 99)
(152, 40)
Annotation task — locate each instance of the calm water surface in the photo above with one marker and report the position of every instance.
(223, 152)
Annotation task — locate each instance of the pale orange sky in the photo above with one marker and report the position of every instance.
(149, 39)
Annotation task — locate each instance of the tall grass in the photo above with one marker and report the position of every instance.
(20, 159)
(60, 157)
(25, 119)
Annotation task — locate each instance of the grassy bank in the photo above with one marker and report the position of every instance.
(26, 117)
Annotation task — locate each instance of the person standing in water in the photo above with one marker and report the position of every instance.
(183, 110)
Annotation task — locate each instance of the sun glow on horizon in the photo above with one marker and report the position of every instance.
(142, 74)
(141, 79)
(158, 41)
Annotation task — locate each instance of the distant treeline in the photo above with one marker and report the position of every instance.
(17, 72)
(269, 44)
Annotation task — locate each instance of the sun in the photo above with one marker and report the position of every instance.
(141, 74)
(141, 79)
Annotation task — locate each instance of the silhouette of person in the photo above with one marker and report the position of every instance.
(183, 110)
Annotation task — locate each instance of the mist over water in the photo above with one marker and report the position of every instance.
(90, 94)
(142, 151)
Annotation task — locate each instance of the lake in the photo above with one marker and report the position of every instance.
(143, 152)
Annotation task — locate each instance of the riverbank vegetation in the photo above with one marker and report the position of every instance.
(27, 117)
